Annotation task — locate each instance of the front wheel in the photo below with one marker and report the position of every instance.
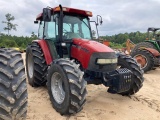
(66, 87)
(137, 73)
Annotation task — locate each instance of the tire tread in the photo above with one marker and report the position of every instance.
(77, 86)
(137, 74)
(40, 65)
(12, 83)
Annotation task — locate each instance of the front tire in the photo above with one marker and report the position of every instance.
(13, 86)
(66, 87)
(137, 76)
(36, 65)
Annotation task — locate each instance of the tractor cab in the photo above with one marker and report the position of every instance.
(153, 33)
(60, 25)
(76, 27)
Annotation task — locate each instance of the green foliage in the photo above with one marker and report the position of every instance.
(116, 41)
(136, 37)
(9, 25)
(33, 35)
(123, 44)
(8, 43)
(14, 41)
(115, 45)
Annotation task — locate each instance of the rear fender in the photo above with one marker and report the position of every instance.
(46, 51)
(154, 52)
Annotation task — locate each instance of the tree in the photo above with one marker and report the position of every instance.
(10, 26)
(33, 35)
(8, 43)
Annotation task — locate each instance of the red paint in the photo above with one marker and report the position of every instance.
(39, 16)
(106, 43)
(153, 51)
(91, 46)
(73, 10)
(68, 10)
(45, 50)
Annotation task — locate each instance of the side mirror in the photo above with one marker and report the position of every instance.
(35, 22)
(99, 20)
(46, 14)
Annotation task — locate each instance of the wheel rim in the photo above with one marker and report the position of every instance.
(142, 60)
(30, 65)
(57, 88)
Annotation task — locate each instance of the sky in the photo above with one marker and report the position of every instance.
(119, 16)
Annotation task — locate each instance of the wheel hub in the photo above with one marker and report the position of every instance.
(30, 66)
(142, 60)
(57, 88)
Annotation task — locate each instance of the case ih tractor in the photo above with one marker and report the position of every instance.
(66, 58)
(13, 86)
(147, 53)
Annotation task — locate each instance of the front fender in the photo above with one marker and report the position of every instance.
(46, 51)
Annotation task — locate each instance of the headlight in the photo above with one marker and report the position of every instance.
(106, 61)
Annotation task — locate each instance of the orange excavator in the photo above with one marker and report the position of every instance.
(129, 46)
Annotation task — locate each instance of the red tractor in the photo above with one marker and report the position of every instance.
(66, 58)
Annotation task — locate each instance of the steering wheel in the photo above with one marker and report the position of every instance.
(65, 35)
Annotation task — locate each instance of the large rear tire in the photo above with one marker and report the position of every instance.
(144, 58)
(13, 86)
(36, 65)
(137, 76)
(143, 45)
(66, 87)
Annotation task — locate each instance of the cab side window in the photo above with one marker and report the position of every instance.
(51, 30)
(40, 31)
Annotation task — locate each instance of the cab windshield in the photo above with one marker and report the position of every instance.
(76, 27)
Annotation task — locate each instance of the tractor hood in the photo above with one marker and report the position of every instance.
(91, 46)
(88, 51)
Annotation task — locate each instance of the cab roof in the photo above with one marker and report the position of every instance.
(67, 10)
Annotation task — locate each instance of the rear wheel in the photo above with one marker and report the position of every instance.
(144, 58)
(36, 65)
(66, 87)
(137, 76)
(143, 45)
(13, 86)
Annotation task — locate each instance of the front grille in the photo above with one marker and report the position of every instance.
(93, 66)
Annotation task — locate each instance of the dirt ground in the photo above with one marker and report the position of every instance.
(100, 105)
